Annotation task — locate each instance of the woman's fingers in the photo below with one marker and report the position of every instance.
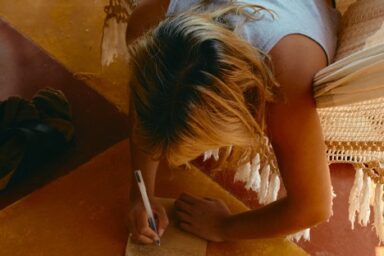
(188, 227)
(142, 227)
(162, 220)
(142, 239)
(189, 198)
(138, 237)
(184, 217)
(183, 206)
(138, 222)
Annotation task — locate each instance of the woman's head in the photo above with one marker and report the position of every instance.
(197, 86)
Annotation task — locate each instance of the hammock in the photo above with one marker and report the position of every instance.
(350, 100)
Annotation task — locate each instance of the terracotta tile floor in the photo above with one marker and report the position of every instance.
(24, 68)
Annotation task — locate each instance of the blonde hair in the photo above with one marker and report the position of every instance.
(196, 86)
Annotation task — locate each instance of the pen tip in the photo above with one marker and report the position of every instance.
(157, 242)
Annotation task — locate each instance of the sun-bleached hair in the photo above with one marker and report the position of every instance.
(196, 86)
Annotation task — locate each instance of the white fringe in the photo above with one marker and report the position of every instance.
(273, 188)
(365, 209)
(267, 184)
(354, 196)
(207, 155)
(254, 179)
(243, 173)
(215, 153)
(114, 44)
(333, 195)
(365, 193)
(305, 234)
(212, 152)
(264, 184)
(378, 212)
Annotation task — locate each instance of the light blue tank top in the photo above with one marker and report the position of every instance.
(311, 18)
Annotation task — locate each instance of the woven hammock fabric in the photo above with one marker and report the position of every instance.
(350, 92)
(350, 99)
(356, 78)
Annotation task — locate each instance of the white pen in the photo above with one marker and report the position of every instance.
(147, 205)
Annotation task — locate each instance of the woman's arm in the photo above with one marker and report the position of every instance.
(298, 142)
(296, 135)
(137, 218)
(140, 160)
(147, 14)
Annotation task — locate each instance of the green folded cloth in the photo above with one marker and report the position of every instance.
(32, 132)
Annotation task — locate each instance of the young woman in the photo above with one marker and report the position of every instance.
(203, 80)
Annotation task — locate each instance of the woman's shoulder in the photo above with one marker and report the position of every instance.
(296, 59)
(314, 19)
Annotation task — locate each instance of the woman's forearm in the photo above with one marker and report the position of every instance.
(277, 219)
(148, 167)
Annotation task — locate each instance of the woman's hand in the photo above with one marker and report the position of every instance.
(204, 217)
(138, 221)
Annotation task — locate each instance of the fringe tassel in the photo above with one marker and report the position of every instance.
(207, 155)
(264, 184)
(333, 195)
(273, 188)
(243, 173)
(212, 152)
(362, 196)
(215, 154)
(378, 212)
(267, 184)
(365, 197)
(305, 234)
(254, 179)
(354, 196)
(113, 43)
